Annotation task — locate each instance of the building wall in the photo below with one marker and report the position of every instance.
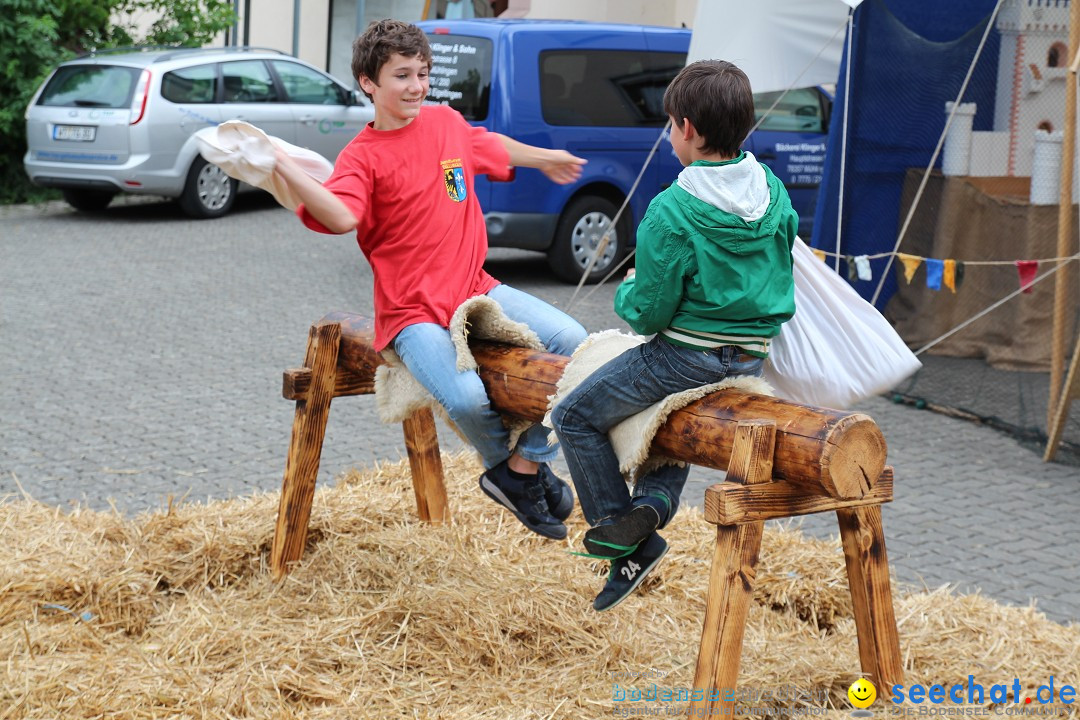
(328, 27)
(672, 13)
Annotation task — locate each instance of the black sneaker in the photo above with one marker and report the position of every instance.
(557, 492)
(524, 499)
(628, 572)
(619, 538)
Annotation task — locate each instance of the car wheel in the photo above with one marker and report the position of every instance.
(579, 233)
(88, 200)
(209, 192)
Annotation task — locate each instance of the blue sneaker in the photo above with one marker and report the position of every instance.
(524, 499)
(628, 572)
(557, 492)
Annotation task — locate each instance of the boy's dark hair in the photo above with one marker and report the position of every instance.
(715, 96)
(382, 39)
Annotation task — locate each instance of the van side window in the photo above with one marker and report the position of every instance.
(190, 85)
(798, 111)
(247, 81)
(612, 88)
(461, 74)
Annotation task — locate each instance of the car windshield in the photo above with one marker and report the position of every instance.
(103, 86)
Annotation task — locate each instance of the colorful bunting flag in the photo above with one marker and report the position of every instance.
(862, 266)
(934, 271)
(1027, 269)
(949, 275)
(820, 254)
(911, 264)
(852, 273)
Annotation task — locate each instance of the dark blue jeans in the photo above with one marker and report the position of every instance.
(624, 386)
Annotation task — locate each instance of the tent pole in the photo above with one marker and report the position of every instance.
(1064, 238)
(843, 142)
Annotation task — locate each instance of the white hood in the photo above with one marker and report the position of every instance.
(738, 188)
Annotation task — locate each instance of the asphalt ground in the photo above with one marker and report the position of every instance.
(141, 354)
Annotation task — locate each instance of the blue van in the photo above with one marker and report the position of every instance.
(596, 90)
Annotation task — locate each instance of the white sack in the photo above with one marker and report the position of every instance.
(246, 153)
(837, 349)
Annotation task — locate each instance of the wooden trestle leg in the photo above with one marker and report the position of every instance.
(871, 595)
(422, 444)
(305, 448)
(731, 579)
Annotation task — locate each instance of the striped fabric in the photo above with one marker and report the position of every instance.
(698, 340)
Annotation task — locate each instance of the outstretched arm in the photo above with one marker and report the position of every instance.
(323, 205)
(560, 166)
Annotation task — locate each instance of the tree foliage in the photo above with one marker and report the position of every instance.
(35, 35)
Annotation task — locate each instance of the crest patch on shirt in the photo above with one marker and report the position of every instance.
(454, 177)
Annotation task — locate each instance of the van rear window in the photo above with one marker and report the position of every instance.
(95, 86)
(461, 74)
(612, 88)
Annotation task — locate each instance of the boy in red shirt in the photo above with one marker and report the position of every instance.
(405, 185)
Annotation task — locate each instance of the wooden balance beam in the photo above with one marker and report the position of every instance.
(782, 459)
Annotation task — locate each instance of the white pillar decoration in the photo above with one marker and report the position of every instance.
(956, 158)
(1046, 168)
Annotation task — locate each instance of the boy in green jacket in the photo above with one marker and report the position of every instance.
(713, 281)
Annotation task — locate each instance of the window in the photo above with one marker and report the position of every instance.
(798, 111)
(612, 88)
(1057, 55)
(92, 86)
(247, 82)
(304, 85)
(461, 74)
(190, 85)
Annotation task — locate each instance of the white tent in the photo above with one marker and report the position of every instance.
(779, 44)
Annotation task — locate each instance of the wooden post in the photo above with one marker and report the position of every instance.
(871, 594)
(1065, 246)
(422, 444)
(305, 448)
(1057, 418)
(731, 579)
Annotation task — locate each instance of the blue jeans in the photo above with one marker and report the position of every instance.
(428, 353)
(624, 386)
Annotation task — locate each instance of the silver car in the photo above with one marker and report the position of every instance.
(117, 122)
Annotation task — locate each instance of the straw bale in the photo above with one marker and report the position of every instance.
(387, 617)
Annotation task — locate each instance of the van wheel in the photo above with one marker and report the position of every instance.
(209, 192)
(578, 234)
(88, 200)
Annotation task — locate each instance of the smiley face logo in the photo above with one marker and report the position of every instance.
(862, 693)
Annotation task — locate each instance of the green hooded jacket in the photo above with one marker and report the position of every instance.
(713, 261)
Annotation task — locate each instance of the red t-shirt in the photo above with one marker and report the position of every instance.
(421, 226)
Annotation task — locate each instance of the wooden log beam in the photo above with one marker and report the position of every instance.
(839, 453)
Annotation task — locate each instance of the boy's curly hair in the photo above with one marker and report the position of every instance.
(383, 38)
(715, 96)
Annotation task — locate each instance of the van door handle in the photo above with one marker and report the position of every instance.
(308, 119)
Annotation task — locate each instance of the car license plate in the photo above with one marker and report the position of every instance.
(78, 133)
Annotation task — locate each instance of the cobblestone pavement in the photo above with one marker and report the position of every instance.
(142, 355)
